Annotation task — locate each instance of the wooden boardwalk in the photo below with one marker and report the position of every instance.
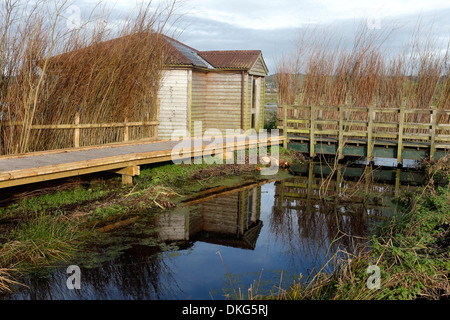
(123, 158)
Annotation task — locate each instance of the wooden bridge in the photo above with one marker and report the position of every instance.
(370, 132)
(123, 158)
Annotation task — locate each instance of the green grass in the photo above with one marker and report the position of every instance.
(413, 249)
(56, 199)
(42, 240)
(169, 174)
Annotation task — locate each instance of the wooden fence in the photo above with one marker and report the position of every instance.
(419, 127)
(152, 127)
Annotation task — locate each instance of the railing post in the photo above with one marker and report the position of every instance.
(370, 134)
(76, 133)
(401, 121)
(341, 132)
(312, 128)
(320, 117)
(126, 131)
(433, 133)
(285, 126)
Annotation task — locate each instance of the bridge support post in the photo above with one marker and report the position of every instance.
(397, 182)
(128, 173)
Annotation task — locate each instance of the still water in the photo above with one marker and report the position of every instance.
(261, 234)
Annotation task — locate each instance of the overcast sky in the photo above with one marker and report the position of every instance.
(273, 26)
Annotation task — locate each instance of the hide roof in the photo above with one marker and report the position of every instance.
(184, 55)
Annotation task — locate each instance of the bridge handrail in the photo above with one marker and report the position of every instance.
(407, 126)
(77, 126)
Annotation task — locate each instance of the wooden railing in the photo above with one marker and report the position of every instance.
(419, 127)
(152, 127)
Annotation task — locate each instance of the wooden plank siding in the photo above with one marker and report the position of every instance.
(198, 99)
(248, 102)
(174, 102)
(213, 98)
(249, 99)
(258, 68)
(216, 100)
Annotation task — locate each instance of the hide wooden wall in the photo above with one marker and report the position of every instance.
(216, 100)
(174, 102)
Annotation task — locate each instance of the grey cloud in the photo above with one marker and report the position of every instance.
(208, 34)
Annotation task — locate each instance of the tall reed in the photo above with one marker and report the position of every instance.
(51, 70)
(365, 73)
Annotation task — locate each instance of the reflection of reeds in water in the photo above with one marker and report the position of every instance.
(138, 273)
(319, 214)
(312, 224)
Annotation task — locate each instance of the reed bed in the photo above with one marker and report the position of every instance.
(52, 71)
(323, 70)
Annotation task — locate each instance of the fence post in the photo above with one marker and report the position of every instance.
(126, 131)
(433, 133)
(76, 133)
(370, 134)
(401, 121)
(341, 132)
(285, 126)
(312, 128)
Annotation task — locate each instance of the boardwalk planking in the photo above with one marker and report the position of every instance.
(123, 159)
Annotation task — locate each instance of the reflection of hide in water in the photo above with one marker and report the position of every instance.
(230, 220)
